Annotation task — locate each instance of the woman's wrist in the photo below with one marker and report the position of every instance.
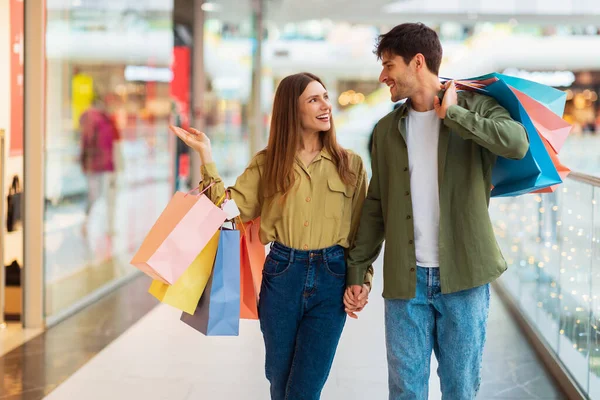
(206, 158)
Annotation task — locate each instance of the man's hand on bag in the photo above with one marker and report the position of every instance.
(197, 140)
(356, 298)
(450, 98)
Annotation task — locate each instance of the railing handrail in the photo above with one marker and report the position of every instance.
(585, 178)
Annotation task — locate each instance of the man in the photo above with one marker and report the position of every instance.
(432, 164)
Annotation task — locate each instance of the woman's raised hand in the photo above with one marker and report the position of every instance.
(196, 140)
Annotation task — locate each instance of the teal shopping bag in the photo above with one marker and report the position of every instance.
(550, 97)
(536, 170)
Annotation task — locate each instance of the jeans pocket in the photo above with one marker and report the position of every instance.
(336, 266)
(274, 267)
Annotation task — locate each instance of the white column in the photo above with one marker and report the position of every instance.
(33, 191)
(198, 85)
(257, 141)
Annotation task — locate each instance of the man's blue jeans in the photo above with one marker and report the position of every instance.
(301, 314)
(452, 325)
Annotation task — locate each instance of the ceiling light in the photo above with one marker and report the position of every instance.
(210, 7)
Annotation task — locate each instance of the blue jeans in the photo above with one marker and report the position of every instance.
(301, 314)
(452, 325)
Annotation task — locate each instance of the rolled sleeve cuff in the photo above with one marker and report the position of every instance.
(368, 280)
(355, 276)
(455, 112)
(454, 115)
(209, 171)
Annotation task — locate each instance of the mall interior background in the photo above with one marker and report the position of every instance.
(140, 60)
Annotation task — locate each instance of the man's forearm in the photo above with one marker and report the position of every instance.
(369, 240)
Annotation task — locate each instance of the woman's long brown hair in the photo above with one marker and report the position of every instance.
(285, 138)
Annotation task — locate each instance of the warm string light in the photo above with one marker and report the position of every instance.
(552, 234)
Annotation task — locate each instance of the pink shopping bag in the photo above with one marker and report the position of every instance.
(181, 232)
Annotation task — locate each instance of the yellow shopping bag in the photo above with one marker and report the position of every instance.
(185, 293)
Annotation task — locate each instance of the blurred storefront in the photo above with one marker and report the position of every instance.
(583, 108)
(109, 164)
(228, 54)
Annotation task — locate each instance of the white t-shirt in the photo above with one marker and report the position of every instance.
(422, 141)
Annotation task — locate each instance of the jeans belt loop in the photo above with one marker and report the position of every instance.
(292, 253)
(430, 272)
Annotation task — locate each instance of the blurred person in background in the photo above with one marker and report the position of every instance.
(428, 199)
(308, 192)
(99, 140)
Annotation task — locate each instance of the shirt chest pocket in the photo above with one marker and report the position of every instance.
(338, 199)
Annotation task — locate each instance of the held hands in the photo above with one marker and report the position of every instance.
(355, 299)
(450, 98)
(196, 140)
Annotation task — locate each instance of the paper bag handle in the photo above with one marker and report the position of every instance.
(198, 188)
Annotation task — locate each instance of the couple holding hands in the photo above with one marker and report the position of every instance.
(427, 199)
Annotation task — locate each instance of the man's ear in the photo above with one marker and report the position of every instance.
(419, 60)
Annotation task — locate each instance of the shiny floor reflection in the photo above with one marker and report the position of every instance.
(12, 335)
(34, 369)
(82, 255)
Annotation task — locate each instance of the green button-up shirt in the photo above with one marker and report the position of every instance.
(473, 134)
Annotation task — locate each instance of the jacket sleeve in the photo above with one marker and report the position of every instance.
(370, 233)
(490, 127)
(358, 202)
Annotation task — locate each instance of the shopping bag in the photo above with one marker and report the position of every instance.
(562, 170)
(544, 105)
(183, 229)
(252, 260)
(185, 293)
(549, 125)
(13, 205)
(551, 98)
(218, 311)
(533, 172)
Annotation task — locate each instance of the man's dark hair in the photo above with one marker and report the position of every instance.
(408, 40)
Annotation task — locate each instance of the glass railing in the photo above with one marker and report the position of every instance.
(552, 245)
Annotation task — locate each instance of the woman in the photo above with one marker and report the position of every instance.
(308, 192)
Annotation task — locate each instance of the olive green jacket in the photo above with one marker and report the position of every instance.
(473, 134)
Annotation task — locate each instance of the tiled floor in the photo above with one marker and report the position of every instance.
(34, 369)
(12, 335)
(161, 358)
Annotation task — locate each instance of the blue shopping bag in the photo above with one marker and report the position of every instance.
(218, 312)
(536, 170)
(550, 97)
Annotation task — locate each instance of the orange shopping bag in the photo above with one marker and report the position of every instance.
(252, 260)
(183, 229)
